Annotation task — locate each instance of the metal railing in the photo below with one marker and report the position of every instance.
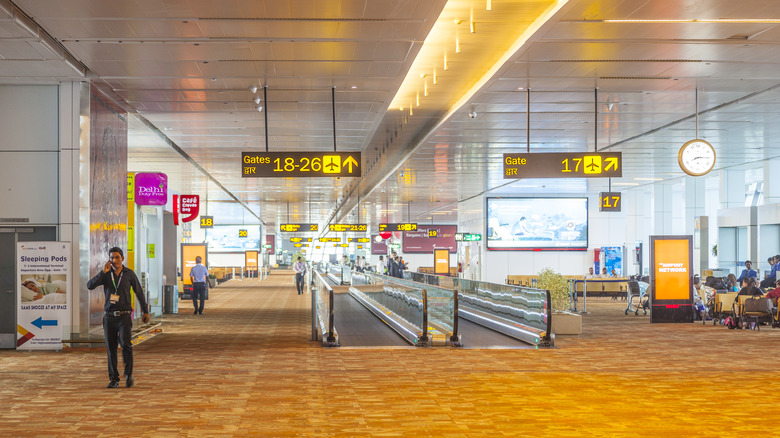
(520, 312)
(403, 308)
(322, 311)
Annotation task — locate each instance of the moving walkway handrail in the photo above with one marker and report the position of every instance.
(522, 306)
(424, 336)
(329, 333)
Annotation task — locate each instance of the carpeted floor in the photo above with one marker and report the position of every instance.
(247, 367)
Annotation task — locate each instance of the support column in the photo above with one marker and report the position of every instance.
(74, 130)
(732, 188)
(771, 181)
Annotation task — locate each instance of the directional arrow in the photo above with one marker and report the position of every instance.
(40, 322)
(611, 162)
(349, 162)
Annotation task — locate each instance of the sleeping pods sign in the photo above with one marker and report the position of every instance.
(43, 298)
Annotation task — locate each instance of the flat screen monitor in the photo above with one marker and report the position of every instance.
(225, 238)
(537, 224)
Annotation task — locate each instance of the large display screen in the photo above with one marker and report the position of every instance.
(225, 238)
(552, 224)
(419, 241)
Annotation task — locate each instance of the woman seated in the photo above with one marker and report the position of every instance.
(749, 288)
(731, 281)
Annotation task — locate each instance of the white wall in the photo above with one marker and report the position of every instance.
(29, 153)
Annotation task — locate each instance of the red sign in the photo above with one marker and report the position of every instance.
(187, 206)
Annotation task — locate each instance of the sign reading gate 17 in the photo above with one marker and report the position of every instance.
(300, 164)
(564, 165)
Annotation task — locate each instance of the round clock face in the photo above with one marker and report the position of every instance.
(696, 157)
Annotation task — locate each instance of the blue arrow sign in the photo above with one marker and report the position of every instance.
(40, 322)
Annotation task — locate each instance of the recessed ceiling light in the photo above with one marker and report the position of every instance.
(354, 87)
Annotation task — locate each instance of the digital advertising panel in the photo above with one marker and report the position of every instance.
(441, 262)
(537, 224)
(378, 247)
(671, 278)
(419, 241)
(229, 238)
(189, 251)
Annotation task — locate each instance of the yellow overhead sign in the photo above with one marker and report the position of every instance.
(329, 239)
(292, 228)
(564, 165)
(340, 228)
(300, 239)
(359, 239)
(300, 164)
(397, 227)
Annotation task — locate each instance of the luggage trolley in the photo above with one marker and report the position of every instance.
(637, 297)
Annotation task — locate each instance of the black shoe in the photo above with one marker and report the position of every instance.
(113, 384)
(201, 313)
(195, 312)
(129, 382)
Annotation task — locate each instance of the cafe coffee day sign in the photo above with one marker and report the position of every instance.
(151, 188)
(185, 208)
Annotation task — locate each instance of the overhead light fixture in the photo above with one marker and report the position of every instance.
(434, 77)
(489, 5)
(457, 44)
(354, 87)
(253, 88)
(258, 100)
(259, 108)
(694, 20)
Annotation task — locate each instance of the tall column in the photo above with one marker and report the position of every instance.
(732, 188)
(74, 129)
(772, 181)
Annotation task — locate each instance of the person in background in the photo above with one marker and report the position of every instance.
(604, 273)
(361, 264)
(299, 267)
(614, 273)
(118, 307)
(770, 279)
(199, 276)
(749, 288)
(381, 266)
(774, 295)
(401, 267)
(732, 283)
(748, 272)
(590, 273)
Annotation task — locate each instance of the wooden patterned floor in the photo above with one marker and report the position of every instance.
(247, 367)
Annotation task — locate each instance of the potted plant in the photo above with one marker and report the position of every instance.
(563, 321)
(212, 281)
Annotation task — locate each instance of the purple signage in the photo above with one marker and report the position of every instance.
(378, 247)
(151, 188)
(419, 242)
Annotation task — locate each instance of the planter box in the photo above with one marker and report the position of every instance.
(566, 323)
(212, 282)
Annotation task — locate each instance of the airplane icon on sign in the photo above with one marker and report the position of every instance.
(332, 164)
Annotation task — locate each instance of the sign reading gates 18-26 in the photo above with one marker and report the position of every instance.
(564, 165)
(300, 164)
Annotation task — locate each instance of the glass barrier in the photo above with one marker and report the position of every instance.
(407, 303)
(442, 305)
(324, 310)
(521, 305)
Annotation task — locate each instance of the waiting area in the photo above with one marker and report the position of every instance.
(248, 367)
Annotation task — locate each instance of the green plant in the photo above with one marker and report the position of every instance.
(715, 250)
(559, 288)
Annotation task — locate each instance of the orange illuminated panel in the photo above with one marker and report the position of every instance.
(441, 261)
(188, 253)
(250, 259)
(672, 270)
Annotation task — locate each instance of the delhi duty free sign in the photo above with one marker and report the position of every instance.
(151, 188)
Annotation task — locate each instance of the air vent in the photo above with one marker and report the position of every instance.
(739, 37)
(675, 61)
(636, 78)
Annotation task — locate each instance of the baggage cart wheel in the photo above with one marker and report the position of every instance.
(626, 311)
(645, 311)
(636, 312)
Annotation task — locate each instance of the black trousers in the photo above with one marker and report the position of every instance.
(198, 291)
(117, 330)
(299, 282)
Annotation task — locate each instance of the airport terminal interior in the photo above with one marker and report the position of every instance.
(419, 217)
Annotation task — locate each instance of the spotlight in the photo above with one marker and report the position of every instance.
(259, 108)
(253, 88)
(258, 100)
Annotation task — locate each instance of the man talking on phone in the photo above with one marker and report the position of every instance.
(117, 280)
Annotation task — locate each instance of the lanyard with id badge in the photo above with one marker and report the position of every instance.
(114, 297)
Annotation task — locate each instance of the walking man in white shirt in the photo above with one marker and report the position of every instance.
(199, 276)
(300, 272)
